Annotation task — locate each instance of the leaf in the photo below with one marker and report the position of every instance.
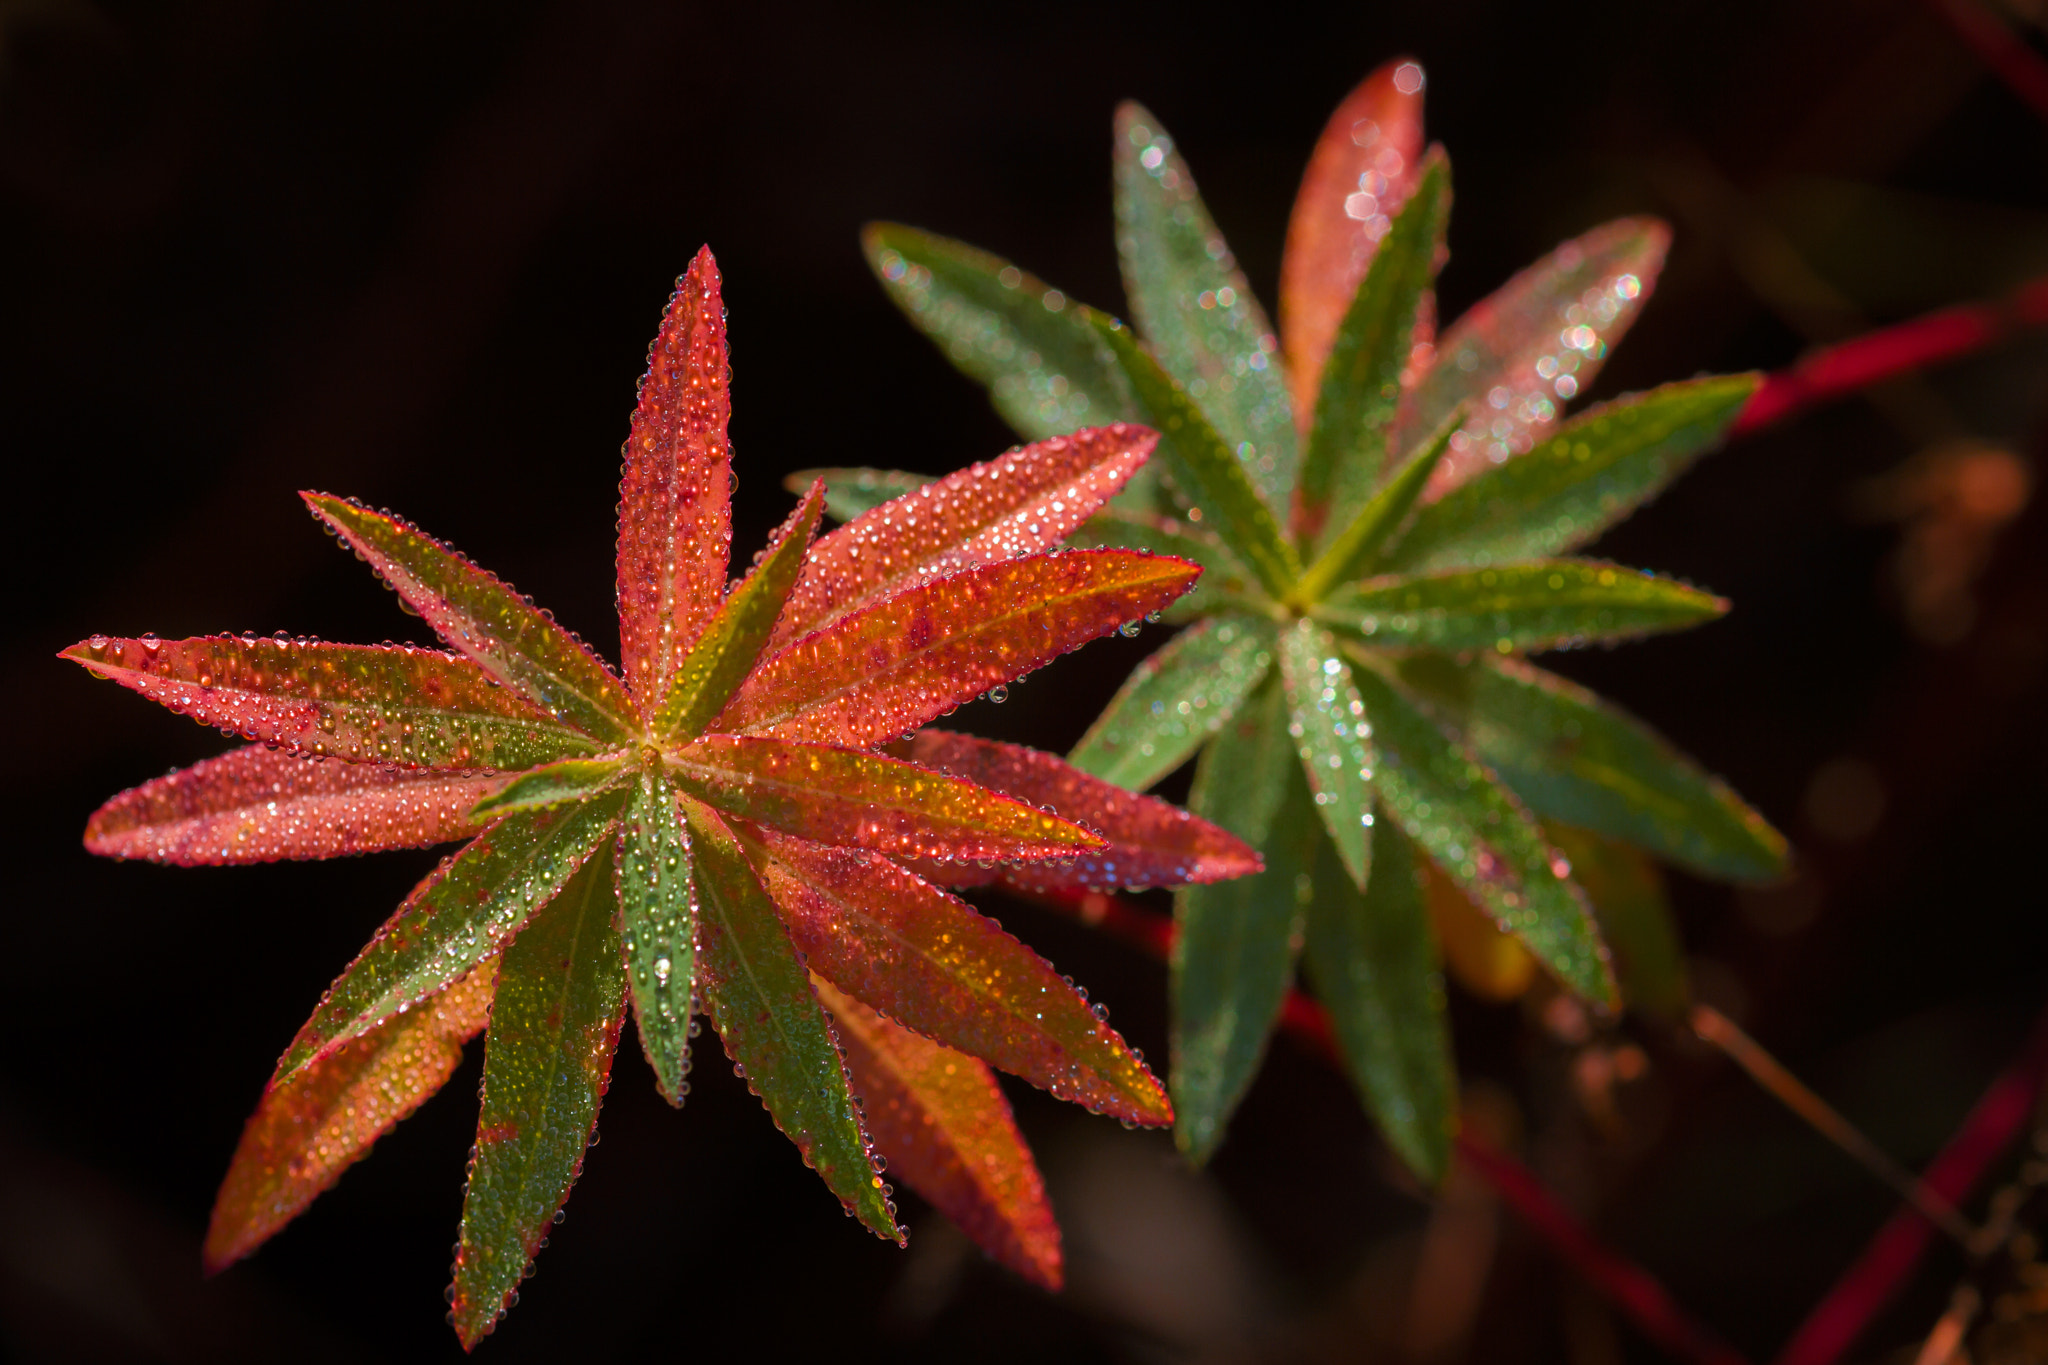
(1547, 604)
(480, 615)
(1215, 481)
(1355, 546)
(1024, 502)
(1332, 728)
(935, 964)
(1234, 951)
(1224, 582)
(1361, 388)
(461, 914)
(316, 1125)
(771, 1024)
(1373, 959)
(1361, 170)
(732, 642)
(1484, 958)
(255, 805)
(887, 669)
(373, 704)
(547, 1062)
(1576, 758)
(1445, 800)
(1635, 918)
(555, 785)
(1533, 345)
(941, 1119)
(675, 494)
(1150, 842)
(658, 925)
(1174, 701)
(1044, 367)
(1193, 304)
(1599, 468)
(850, 492)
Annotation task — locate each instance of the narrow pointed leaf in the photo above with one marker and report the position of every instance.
(936, 965)
(1540, 605)
(547, 1061)
(461, 914)
(1361, 171)
(1224, 581)
(942, 1121)
(731, 643)
(850, 492)
(1373, 959)
(1576, 758)
(1194, 305)
(1233, 954)
(842, 796)
(772, 1026)
(310, 1129)
(368, 703)
(1032, 347)
(1483, 837)
(1484, 958)
(256, 805)
(1595, 471)
(1332, 727)
(1023, 502)
(481, 616)
(1212, 477)
(1356, 546)
(657, 929)
(1534, 344)
(1361, 388)
(888, 668)
(557, 784)
(675, 494)
(1635, 918)
(1174, 701)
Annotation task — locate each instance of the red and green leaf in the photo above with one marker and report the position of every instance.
(557, 784)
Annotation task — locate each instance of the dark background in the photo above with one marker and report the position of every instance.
(414, 253)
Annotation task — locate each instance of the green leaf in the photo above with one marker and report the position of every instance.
(1362, 380)
(1353, 549)
(554, 1025)
(1482, 837)
(1224, 582)
(1576, 758)
(1214, 479)
(556, 784)
(770, 1021)
(1373, 959)
(1540, 605)
(1045, 370)
(1194, 306)
(1596, 470)
(1635, 918)
(658, 924)
(1332, 727)
(1175, 700)
(850, 492)
(1234, 953)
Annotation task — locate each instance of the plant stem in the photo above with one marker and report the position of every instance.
(1998, 47)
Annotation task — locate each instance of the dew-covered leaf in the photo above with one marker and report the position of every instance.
(1596, 470)
(773, 1028)
(1332, 731)
(1520, 354)
(1584, 761)
(547, 1061)
(657, 929)
(308, 1130)
(257, 805)
(1361, 171)
(1195, 307)
(935, 964)
(1175, 700)
(942, 1122)
(1354, 548)
(1032, 347)
(1023, 502)
(890, 667)
(1224, 582)
(850, 492)
(554, 785)
(1635, 918)
(1542, 604)
(675, 493)
(1484, 958)
(461, 914)
(481, 616)
(367, 703)
(1373, 960)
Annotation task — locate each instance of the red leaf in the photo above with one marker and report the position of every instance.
(256, 805)
(675, 514)
(942, 1121)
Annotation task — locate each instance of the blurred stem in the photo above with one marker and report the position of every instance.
(1999, 48)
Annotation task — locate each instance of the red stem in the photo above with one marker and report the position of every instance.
(1998, 47)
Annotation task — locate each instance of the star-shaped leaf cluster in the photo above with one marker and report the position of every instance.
(1389, 520)
(713, 829)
